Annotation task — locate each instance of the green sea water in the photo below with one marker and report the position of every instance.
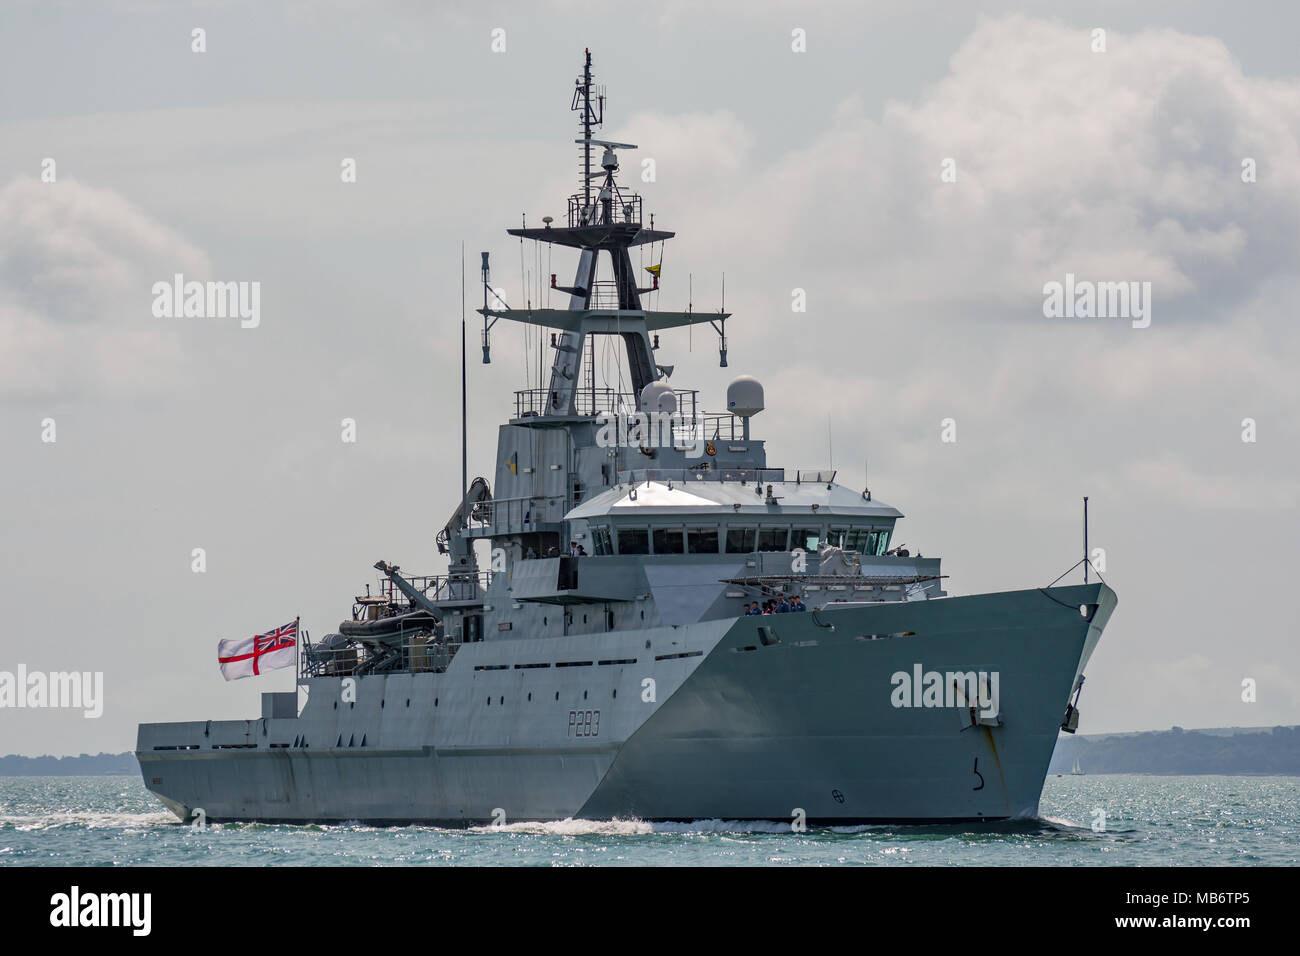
(1108, 820)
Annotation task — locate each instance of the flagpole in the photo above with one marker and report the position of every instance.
(464, 401)
(297, 639)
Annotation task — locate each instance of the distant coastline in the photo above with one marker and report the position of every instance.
(1212, 750)
(86, 765)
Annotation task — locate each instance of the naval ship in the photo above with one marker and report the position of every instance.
(669, 627)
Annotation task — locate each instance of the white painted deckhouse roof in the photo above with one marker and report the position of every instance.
(688, 497)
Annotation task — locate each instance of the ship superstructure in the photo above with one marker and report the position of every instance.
(612, 659)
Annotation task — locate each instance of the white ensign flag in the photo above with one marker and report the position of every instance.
(253, 655)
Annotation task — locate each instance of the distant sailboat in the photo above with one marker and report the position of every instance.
(1075, 771)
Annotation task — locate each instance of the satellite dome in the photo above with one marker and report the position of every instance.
(658, 397)
(745, 396)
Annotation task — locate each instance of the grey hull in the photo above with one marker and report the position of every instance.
(737, 729)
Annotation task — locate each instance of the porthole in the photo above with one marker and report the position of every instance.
(530, 695)
(615, 691)
(435, 702)
(501, 701)
(584, 695)
(557, 695)
(336, 705)
(408, 702)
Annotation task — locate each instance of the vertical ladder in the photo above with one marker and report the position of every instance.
(589, 369)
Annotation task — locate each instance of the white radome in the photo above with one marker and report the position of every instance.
(658, 397)
(745, 396)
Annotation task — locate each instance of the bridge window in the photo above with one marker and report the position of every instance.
(862, 540)
(702, 540)
(668, 541)
(850, 539)
(773, 539)
(740, 540)
(807, 538)
(600, 541)
(633, 541)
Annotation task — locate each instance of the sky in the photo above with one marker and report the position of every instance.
(920, 171)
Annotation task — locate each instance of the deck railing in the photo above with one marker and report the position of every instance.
(518, 514)
(410, 652)
(700, 474)
(436, 587)
(595, 401)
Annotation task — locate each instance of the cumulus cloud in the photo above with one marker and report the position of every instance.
(77, 265)
(924, 301)
(1114, 166)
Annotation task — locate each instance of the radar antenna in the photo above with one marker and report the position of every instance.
(591, 116)
(604, 222)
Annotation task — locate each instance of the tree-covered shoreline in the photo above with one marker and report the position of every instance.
(1178, 751)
